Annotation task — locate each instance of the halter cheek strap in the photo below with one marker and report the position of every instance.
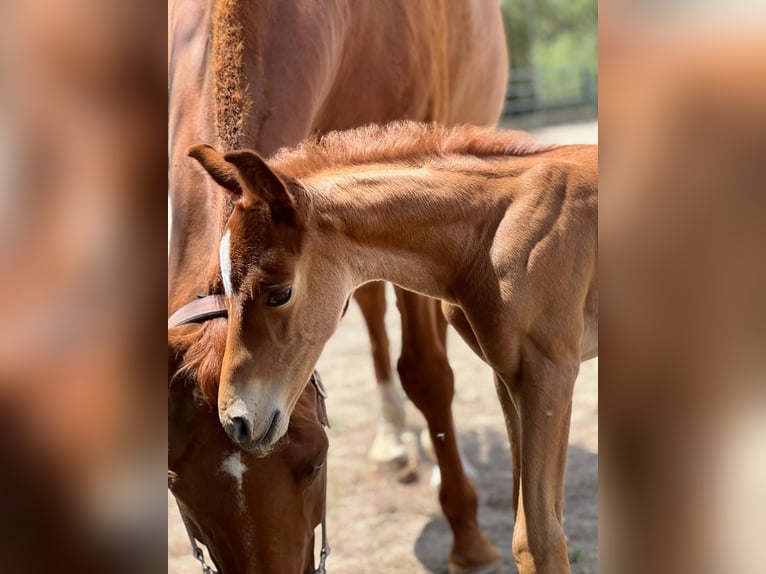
(202, 309)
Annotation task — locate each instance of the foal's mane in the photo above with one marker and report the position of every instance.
(400, 142)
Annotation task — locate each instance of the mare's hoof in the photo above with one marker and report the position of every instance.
(408, 475)
(392, 464)
(492, 568)
(388, 453)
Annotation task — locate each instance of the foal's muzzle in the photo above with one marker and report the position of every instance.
(241, 430)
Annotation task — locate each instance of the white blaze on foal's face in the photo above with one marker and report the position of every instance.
(224, 255)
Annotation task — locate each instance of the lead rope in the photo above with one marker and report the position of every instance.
(324, 552)
(198, 553)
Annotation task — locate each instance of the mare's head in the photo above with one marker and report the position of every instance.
(277, 327)
(255, 514)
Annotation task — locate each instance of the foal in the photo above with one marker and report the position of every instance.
(502, 230)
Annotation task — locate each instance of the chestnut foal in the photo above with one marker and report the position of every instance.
(502, 230)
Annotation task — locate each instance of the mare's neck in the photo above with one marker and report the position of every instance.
(195, 210)
(220, 55)
(418, 228)
(198, 113)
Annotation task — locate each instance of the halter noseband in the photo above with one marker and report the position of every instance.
(204, 308)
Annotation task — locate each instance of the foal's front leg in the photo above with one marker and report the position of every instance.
(542, 392)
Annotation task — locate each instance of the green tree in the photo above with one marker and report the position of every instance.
(551, 33)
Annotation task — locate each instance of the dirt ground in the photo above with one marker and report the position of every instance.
(378, 525)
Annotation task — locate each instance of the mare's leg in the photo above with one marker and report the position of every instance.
(541, 391)
(428, 381)
(441, 329)
(387, 448)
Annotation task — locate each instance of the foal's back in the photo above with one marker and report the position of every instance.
(550, 243)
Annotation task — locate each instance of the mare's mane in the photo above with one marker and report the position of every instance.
(197, 354)
(232, 97)
(400, 142)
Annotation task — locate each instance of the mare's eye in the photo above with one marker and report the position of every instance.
(315, 471)
(279, 297)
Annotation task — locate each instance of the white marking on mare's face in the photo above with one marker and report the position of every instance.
(234, 467)
(224, 255)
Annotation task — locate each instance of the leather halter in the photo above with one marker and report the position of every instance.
(204, 308)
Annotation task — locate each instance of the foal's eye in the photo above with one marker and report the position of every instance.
(279, 297)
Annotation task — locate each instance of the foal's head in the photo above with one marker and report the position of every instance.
(276, 330)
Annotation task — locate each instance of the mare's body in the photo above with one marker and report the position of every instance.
(268, 74)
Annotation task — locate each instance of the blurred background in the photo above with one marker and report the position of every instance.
(553, 46)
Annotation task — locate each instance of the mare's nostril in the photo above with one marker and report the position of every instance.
(240, 430)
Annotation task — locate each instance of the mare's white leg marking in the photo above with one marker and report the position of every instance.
(387, 446)
(391, 405)
(224, 255)
(233, 466)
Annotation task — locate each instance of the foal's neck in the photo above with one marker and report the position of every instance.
(417, 227)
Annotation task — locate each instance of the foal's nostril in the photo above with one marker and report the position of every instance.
(240, 430)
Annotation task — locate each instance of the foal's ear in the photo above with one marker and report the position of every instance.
(260, 180)
(222, 172)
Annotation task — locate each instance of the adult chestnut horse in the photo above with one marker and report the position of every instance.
(503, 231)
(268, 74)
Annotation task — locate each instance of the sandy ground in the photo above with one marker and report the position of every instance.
(379, 525)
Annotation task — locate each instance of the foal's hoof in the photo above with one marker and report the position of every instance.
(492, 568)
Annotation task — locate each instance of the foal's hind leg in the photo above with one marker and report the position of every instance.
(428, 381)
(513, 428)
(387, 448)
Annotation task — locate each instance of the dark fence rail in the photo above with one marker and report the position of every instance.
(546, 89)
